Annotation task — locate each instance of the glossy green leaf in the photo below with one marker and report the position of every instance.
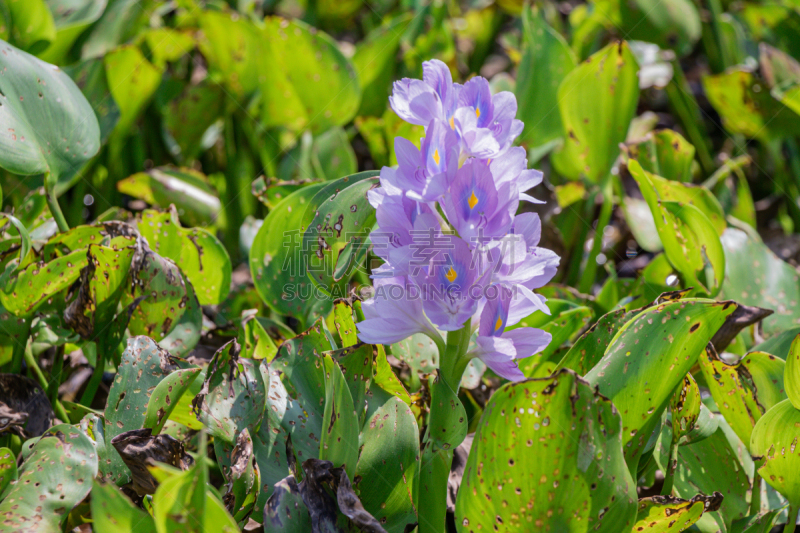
(356, 363)
(233, 394)
(744, 391)
(447, 425)
(597, 101)
(774, 444)
(55, 477)
(335, 239)
(311, 84)
(132, 80)
(339, 439)
(754, 275)
(165, 397)
(664, 153)
(675, 334)
(541, 446)
(591, 346)
(276, 259)
(48, 124)
(144, 364)
(691, 242)
(387, 465)
(546, 61)
(113, 512)
(665, 514)
(8, 469)
(792, 377)
(746, 106)
(711, 465)
(32, 24)
(375, 62)
(199, 254)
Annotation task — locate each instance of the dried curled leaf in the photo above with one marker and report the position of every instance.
(662, 514)
(24, 407)
(140, 448)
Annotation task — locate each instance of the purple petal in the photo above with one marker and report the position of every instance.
(477, 96)
(410, 99)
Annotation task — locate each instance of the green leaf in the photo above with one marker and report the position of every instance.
(71, 18)
(419, 352)
(233, 394)
(551, 449)
(546, 61)
(276, 259)
(48, 126)
(300, 360)
(664, 153)
(375, 61)
(30, 287)
(144, 364)
(744, 391)
(164, 398)
(597, 101)
(756, 276)
(792, 377)
(685, 408)
(747, 108)
(339, 439)
(335, 239)
(387, 465)
(188, 116)
(113, 512)
(199, 254)
(344, 323)
(591, 346)
(658, 514)
(447, 424)
(673, 24)
(132, 80)
(196, 200)
(55, 476)
(159, 287)
(33, 27)
(691, 242)
(8, 468)
(774, 441)
(760, 523)
(356, 363)
(90, 77)
(310, 83)
(235, 50)
(648, 358)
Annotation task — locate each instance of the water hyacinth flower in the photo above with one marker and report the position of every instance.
(455, 250)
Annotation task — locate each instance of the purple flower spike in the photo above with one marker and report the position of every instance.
(433, 97)
(500, 349)
(476, 208)
(452, 285)
(393, 314)
(425, 174)
(486, 123)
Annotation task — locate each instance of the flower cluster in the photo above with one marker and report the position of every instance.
(455, 250)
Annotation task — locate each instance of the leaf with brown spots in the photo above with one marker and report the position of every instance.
(648, 358)
(666, 514)
(54, 477)
(547, 455)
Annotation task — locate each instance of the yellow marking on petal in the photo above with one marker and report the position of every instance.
(436, 156)
(488, 161)
(451, 275)
(452, 123)
(472, 200)
(478, 112)
(498, 324)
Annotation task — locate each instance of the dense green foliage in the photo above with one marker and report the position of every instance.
(185, 249)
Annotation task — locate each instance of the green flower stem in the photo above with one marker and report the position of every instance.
(791, 521)
(52, 202)
(40, 377)
(435, 464)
